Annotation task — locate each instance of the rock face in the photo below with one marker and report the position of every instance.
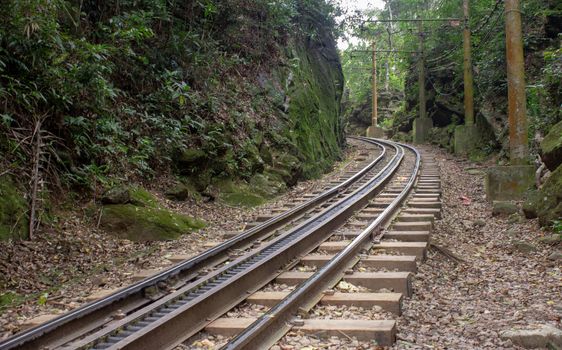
(551, 147)
(544, 337)
(546, 204)
(13, 211)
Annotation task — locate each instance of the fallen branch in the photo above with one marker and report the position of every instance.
(447, 253)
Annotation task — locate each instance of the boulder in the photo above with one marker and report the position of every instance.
(142, 198)
(178, 192)
(145, 223)
(116, 195)
(546, 203)
(191, 160)
(503, 208)
(551, 147)
(544, 337)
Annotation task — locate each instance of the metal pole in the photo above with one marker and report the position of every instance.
(374, 113)
(421, 69)
(518, 143)
(468, 79)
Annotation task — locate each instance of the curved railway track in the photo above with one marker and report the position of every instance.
(175, 305)
(65, 330)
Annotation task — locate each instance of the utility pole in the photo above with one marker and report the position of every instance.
(518, 143)
(374, 121)
(421, 72)
(468, 79)
(467, 136)
(513, 181)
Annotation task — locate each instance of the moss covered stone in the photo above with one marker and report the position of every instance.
(143, 198)
(546, 204)
(257, 191)
(116, 195)
(13, 211)
(182, 191)
(146, 223)
(551, 147)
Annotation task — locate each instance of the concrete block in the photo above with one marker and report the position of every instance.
(504, 183)
(467, 138)
(375, 131)
(422, 126)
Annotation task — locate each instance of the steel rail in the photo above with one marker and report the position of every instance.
(178, 316)
(275, 323)
(97, 312)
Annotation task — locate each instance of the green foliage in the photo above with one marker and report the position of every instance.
(13, 211)
(557, 226)
(128, 84)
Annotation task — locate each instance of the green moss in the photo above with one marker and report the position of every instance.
(266, 185)
(551, 147)
(192, 155)
(242, 199)
(314, 107)
(143, 198)
(13, 211)
(546, 204)
(145, 223)
(242, 194)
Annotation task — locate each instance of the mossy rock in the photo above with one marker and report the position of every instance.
(190, 161)
(143, 198)
(182, 191)
(243, 199)
(267, 185)
(191, 155)
(551, 147)
(546, 204)
(288, 167)
(146, 223)
(116, 195)
(237, 193)
(178, 192)
(14, 222)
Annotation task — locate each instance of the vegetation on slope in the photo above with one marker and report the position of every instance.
(128, 90)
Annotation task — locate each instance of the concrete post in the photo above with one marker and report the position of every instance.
(374, 130)
(467, 136)
(423, 124)
(518, 143)
(374, 121)
(513, 181)
(468, 79)
(421, 73)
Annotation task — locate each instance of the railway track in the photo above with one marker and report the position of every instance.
(334, 232)
(65, 330)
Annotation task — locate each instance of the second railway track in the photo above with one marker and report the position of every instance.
(193, 295)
